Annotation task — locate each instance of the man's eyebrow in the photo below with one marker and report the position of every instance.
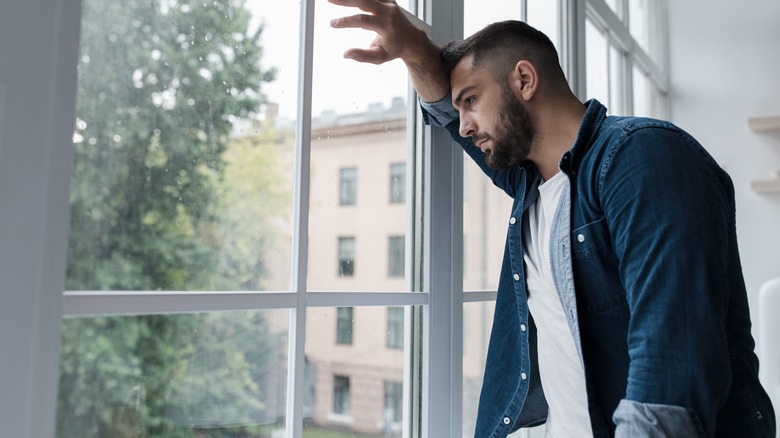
(458, 99)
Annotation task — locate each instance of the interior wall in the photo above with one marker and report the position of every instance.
(725, 68)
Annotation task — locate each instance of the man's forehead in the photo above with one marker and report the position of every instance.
(465, 77)
(463, 74)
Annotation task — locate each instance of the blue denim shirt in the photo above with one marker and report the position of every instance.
(645, 260)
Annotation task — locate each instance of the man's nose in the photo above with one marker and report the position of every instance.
(466, 126)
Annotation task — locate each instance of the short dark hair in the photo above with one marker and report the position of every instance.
(501, 46)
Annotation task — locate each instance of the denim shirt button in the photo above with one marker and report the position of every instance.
(512, 221)
(523, 376)
(507, 420)
(522, 327)
(516, 277)
(580, 238)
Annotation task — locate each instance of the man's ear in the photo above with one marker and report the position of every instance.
(524, 80)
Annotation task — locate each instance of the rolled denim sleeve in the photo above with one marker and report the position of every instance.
(648, 420)
(440, 113)
(670, 212)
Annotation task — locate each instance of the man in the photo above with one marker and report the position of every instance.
(621, 306)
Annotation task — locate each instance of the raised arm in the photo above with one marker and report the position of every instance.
(397, 37)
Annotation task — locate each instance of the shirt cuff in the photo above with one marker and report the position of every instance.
(440, 113)
(635, 419)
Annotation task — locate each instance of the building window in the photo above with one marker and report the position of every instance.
(346, 256)
(395, 327)
(341, 395)
(397, 183)
(395, 256)
(344, 325)
(348, 186)
(394, 392)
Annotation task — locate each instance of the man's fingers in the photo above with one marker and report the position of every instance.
(372, 6)
(374, 55)
(363, 21)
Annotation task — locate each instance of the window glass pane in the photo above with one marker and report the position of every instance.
(397, 182)
(182, 170)
(596, 63)
(616, 95)
(348, 185)
(341, 396)
(395, 327)
(638, 18)
(478, 14)
(485, 207)
(396, 262)
(477, 322)
(355, 125)
(641, 94)
(344, 325)
(486, 211)
(210, 374)
(355, 387)
(393, 413)
(658, 102)
(346, 258)
(544, 15)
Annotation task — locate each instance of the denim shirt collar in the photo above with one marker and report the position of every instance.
(595, 114)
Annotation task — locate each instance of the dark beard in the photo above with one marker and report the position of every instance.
(514, 134)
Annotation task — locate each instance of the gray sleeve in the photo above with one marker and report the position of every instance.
(635, 419)
(440, 113)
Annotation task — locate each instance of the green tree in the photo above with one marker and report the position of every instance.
(160, 84)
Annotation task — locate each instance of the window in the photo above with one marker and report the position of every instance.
(393, 402)
(624, 58)
(204, 219)
(348, 186)
(596, 60)
(395, 327)
(395, 256)
(397, 183)
(346, 256)
(344, 326)
(189, 169)
(341, 402)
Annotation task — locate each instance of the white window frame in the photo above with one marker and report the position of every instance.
(37, 110)
(616, 29)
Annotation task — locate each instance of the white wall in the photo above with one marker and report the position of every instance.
(725, 68)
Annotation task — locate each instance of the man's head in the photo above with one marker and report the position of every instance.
(494, 75)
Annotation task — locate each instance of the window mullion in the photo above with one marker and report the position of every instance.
(442, 370)
(37, 102)
(297, 330)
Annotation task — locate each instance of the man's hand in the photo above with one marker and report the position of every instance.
(397, 37)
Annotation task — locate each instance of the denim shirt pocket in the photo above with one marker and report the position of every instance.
(589, 238)
(595, 267)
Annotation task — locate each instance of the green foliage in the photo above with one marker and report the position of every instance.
(159, 196)
(158, 88)
(256, 181)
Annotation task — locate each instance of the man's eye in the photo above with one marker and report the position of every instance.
(469, 100)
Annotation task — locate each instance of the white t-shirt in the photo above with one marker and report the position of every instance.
(563, 378)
